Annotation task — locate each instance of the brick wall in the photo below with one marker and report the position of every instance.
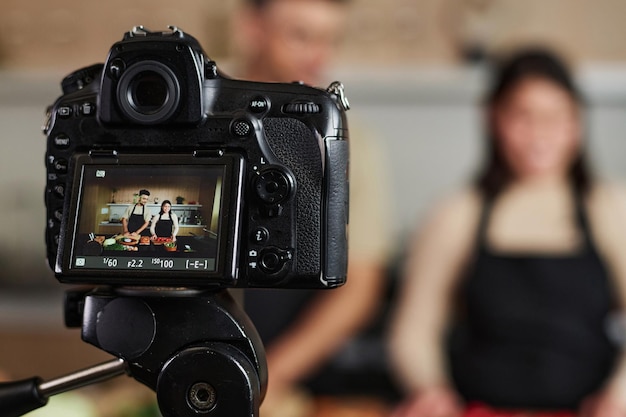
(64, 34)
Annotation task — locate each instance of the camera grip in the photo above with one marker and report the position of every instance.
(337, 211)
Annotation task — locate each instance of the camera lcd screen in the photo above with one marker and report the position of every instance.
(149, 217)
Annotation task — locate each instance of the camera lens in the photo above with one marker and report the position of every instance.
(148, 92)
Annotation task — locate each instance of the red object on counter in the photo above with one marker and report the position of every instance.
(482, 410)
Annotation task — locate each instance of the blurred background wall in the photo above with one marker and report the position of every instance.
(414, 71)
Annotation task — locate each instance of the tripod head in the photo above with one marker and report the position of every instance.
(196, 349)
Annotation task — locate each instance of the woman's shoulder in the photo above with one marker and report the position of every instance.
(457, 212)
(608, 197)
(607, 210)
(462, 203)
(449, 228)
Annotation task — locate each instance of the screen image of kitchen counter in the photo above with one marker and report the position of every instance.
(125, 252)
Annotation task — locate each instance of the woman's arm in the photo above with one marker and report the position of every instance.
(607, 208)
(174, 225)
(153, 225)
(436, 257)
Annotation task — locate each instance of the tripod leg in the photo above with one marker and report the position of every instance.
(20, 397)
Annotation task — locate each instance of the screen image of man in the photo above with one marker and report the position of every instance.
(136, 218)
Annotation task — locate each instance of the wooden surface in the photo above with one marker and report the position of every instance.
(45, 353)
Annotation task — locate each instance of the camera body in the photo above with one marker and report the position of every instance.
(260, 172)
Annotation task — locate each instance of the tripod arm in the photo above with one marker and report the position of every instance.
(20, 397)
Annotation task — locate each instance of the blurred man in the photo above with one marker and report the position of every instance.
(288, 40)
(294, 40)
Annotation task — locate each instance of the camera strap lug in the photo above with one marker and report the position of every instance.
(338, 90)
(138, 31)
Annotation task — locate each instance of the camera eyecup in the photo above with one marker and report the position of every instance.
(148, 92)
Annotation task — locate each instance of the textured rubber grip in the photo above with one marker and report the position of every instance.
(20, 397)
(337, 212)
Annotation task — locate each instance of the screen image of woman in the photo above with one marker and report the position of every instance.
(165, 223)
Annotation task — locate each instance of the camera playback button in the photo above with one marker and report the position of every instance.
(64, 111)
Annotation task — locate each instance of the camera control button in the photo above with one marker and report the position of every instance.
(87, 109)
(301, 108)
(59, 190)
(62, 141)
(272, 260)
(273, 186)
(60, 166)
(241, 128)
(58, 215)
(116, 68)
(260, 235)
(64, 111)
(258, 105)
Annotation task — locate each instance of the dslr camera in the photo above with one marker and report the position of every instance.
(234, 183)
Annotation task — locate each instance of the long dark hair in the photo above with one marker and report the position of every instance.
(525, 64)
(161, 213)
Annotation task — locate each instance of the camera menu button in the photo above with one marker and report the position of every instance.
(62, 141)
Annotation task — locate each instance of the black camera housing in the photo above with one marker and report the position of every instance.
(269, 161)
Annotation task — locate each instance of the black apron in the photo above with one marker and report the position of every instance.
(135, 221)
(164, 227)
(531, 329)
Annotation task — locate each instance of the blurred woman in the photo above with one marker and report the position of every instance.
(509, 284)
(164, 224)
